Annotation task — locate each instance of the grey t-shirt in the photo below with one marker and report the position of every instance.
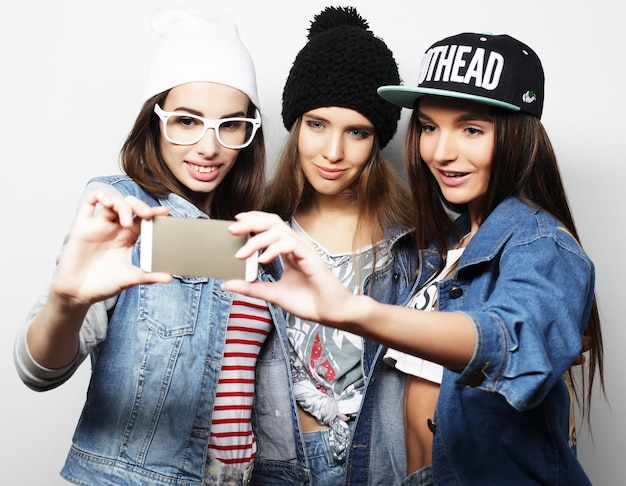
(326, 362)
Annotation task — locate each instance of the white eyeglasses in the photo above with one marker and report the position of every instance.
(187, 129)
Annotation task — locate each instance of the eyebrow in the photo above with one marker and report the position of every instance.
(311, 117)
(358, 126)
(191, 111)
(468, 116)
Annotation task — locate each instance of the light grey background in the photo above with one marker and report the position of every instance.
(71, 82)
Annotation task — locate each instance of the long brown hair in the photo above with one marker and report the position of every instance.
(381, 195)
(141, 159)
(525, 166)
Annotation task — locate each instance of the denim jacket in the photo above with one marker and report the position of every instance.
(377, 452)
(528, 288)
(156, 355)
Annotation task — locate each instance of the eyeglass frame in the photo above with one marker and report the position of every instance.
(208, 123)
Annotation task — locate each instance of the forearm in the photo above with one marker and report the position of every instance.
(32, 373)
(38, 376)
(53, 335)
(447, 338)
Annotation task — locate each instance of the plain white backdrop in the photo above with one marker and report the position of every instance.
(71, 83)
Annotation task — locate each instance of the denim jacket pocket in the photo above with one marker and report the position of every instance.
(174, 306)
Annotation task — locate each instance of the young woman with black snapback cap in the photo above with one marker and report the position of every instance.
(327, 419)
(511, 312)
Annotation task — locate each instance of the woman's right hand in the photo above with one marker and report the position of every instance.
(96, 262)
(307, 287)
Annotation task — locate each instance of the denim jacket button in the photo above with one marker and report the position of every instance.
(455, 292)
(476, 379)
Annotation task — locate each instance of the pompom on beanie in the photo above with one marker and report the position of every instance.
(343, 64)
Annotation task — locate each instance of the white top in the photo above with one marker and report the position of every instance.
(425, 299)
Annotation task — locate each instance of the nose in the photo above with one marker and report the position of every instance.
(444, 149)
(208, 146)
(333, 151)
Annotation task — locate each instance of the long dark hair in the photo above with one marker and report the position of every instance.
(527, 169)
(141, 159)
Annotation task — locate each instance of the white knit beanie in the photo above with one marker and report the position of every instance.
(199, 46)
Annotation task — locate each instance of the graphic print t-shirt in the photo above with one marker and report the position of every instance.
(326, 362)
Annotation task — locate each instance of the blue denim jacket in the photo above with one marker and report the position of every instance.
(156, 356)
(377, 454)
(528, 288)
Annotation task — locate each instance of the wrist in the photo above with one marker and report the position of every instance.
(66, 303)
(357, 312)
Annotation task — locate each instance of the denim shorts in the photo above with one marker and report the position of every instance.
(421, 477)
(325, 470)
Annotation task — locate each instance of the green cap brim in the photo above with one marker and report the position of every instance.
(405, 96)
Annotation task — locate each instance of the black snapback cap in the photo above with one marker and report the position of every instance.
(497, 70)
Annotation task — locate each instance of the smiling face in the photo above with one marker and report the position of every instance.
(334, 146)
(201, 167)
(457, 142)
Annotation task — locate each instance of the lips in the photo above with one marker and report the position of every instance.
(204, 173)
(331, 174)
(451, 178)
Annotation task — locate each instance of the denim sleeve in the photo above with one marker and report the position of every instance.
(533, 306)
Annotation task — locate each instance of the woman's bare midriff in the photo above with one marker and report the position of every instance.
(308, 423)
(420, 400)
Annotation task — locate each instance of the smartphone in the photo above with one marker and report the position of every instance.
(194, 247)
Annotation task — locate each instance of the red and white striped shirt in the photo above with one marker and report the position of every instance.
(232, 441)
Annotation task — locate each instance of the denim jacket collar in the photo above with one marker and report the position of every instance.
(180, 207)
(495, 231)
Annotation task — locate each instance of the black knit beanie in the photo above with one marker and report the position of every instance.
(343, 64)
